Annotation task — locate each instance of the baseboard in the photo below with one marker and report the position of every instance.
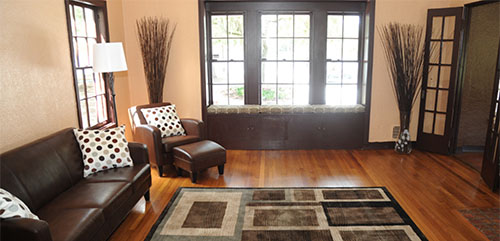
(382, 145)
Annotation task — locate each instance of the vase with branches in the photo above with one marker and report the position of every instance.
(404, 51)
(155, 36)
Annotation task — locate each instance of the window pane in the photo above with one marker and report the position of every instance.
(83, 55)
(350, 49)
(332, 94)
(349, 95)
(301, 51)
(83, 114)
(89, 80)
(285, 94)
(89, 17)
(334, 49)
(219, 72)
(301, 72)
(91, 42)
(235, 25)
(81, 86)
(100, 86)
(301, 94)
(350, 73)
(269, 49)
(285, 25)
(269, 25)
(220, 96)
(269, 72)
(236, 49)
(101, 106)
(236, 95)
(236, 73)
(219, 26)
(219, 49)
(93, 111)
(72, 18)
(268, 94)
(302, 25)
(334, 26)
(80, 22)
(351, 26)
(285, 49)
(333, 72)
(285, 72)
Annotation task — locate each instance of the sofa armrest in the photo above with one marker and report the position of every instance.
(138, 152)
(151, 136)
(194, 127)
(24, 229)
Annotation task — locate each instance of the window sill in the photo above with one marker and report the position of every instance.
(284, 109)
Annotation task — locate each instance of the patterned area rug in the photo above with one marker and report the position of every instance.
(487, 220)
(284, 214)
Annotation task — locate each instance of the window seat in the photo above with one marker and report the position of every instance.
(283, 109)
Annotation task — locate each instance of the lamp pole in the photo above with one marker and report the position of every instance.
(111, 80)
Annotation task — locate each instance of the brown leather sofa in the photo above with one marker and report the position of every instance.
(47, 175)
(160, 149)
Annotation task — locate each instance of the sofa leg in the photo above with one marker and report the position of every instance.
(221, 169)
(146, 196)
(194, 176)
(160, 170)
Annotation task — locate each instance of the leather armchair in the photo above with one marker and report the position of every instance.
(160, 149)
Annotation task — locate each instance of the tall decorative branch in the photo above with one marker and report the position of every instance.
(404, 51)
(155, 36)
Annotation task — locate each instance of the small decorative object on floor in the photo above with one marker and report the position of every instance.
(155, 36)
(292, 214)
(404, 51)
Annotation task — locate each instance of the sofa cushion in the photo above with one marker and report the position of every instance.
(72, 224)
(103, 149)
(173, 141)
(136, 175)
(164, 118)
(13, 207)
(106, 195)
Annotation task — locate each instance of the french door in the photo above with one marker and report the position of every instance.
(490, 167)
(442, 41)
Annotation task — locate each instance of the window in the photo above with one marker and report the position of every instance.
(286, 53)
(228, 59)
(342, 59)
(285, 59)
(86, 25)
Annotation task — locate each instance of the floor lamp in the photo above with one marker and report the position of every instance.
(109, 58)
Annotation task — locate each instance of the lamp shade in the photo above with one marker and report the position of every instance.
(109, 57)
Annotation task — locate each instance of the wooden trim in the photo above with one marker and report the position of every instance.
(368, 98)
(201, 30)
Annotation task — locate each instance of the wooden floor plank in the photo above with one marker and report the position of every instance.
(429, 187)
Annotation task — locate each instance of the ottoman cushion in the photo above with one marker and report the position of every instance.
(198, 156)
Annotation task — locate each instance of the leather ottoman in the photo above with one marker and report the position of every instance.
(199, 156)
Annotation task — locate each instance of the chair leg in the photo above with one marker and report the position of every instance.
(179, 171)
(221, 169)
(160, 170)
(146, 196)
(194, 176)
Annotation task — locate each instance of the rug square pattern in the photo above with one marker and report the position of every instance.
(316, 214)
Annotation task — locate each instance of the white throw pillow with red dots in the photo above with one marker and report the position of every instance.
(13, 207)
(103, 149)
(166, 119)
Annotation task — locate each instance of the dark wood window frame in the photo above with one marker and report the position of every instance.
(251, 10)
(101, 19)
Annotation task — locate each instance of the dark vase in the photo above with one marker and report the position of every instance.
(403, 144)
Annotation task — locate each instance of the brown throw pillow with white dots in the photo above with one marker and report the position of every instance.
(103, 149)
(166, 119)
(13, 207)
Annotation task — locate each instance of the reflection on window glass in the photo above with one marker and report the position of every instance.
(343, 39)
(228, 71)
(285, 56)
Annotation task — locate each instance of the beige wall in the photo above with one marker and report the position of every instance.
(37, 95)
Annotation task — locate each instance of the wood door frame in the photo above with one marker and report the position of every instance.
(452, 96)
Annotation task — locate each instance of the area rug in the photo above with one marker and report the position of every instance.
(284, 214)
(486, 220)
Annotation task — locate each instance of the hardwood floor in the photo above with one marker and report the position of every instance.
(429, 187)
